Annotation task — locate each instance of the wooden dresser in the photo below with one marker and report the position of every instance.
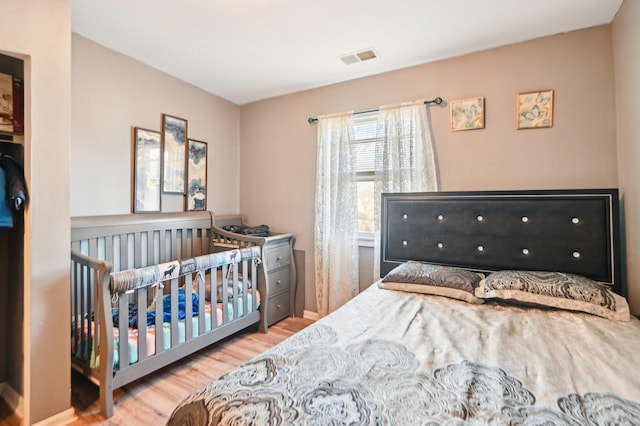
(278, 280)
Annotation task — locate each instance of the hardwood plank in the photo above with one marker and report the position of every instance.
(7, 416)
(151, 399)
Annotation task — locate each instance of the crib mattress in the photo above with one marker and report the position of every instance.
(166, 331)
(133, 333)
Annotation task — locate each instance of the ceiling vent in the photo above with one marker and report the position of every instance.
(362, 56)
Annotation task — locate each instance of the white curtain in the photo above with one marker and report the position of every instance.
(336, 214)
(405, 157)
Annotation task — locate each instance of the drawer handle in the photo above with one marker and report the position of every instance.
(278, 307)
(278, 259)
(278, 282)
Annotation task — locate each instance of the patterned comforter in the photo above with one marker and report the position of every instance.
(394, 358)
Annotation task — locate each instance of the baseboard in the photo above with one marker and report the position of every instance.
(63, 418)
(12, 398)
(311, 315)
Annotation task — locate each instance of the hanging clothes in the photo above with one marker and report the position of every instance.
(6, 218)
(15, 185)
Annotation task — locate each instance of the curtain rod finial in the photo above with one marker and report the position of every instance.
(312, 120)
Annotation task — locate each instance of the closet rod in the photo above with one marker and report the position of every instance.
(437, 101)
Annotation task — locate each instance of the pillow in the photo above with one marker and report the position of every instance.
(438, 280)
(555, 289)
(219, 297)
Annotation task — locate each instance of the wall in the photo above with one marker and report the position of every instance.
(39, 32)
(110, 95)
(278, 149)
(626, 33)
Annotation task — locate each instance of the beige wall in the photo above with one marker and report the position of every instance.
(110, 95)
(277, 153)
(39, 31)
(626, 33)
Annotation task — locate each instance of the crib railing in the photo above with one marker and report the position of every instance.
(129, 323)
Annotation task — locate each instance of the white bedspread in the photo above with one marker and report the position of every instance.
(389, 357)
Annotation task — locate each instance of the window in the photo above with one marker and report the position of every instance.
(364, 138)
(369, 164)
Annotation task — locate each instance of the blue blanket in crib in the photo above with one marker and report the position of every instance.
(166, 310)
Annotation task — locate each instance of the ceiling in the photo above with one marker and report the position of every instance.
(248, 50)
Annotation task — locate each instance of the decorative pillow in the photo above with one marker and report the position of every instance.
(219, 295)
(438, 280)
(555, 289)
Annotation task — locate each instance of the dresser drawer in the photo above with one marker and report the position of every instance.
(277, 256)
(278, 307)
(278, 281)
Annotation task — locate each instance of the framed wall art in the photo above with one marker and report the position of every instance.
(535, 109)
(147, 171)
(196, 198)
(467, 114)
(174, 138)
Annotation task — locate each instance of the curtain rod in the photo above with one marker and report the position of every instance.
(436, 101)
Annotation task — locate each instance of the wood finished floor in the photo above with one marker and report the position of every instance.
(150, 400)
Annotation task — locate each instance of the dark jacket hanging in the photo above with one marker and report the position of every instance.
(15, 186)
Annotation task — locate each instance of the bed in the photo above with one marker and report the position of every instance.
(146, 291)
(501, 307)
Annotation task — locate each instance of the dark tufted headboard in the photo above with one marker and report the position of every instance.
(574, 231)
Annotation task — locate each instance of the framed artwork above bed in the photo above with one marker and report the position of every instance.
(467, 114)
(535, 109)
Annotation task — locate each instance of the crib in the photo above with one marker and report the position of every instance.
(146, 292)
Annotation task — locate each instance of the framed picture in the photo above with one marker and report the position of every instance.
(535, 109)
(467, 114)
(147, 170)
(196, 176)
(174, 138)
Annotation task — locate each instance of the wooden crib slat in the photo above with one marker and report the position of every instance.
(185, 249)
(137, 249)
(188, 307)
(141, 296)
(124, 252)
(173, 243)
(108, 249)
(174, 313)
(202, 323)
(245, 288)
(123, 330)
(213, 290)
(236, 295)
(225, 294)
(158, 323)
(150, 246)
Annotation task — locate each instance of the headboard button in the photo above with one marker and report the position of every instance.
(525, 251)
(404, 216)
(440, 245)
(440, 217)
(404, 243)
(480, 248)
(480, 218)
(576, 254)
(575, 220)
(525, 219)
